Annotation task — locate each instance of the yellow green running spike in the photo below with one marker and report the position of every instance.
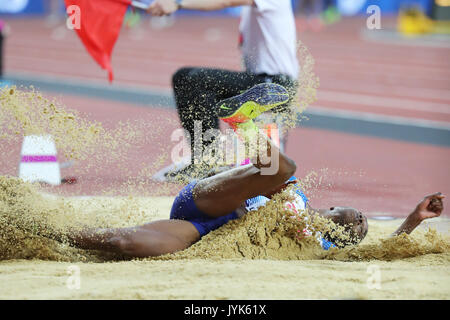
(252, 103)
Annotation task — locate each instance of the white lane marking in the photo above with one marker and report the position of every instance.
(376, 118)
(383, 102)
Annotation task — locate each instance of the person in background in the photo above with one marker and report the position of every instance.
(312, 9)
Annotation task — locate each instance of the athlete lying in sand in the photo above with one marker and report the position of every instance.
(207, 204)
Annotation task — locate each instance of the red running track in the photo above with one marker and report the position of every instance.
(375, 175)
(355, 74)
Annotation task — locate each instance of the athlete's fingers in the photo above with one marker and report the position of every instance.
(157, 12)
(290, 182)
(285, 185)
(151, 7)
(435, 195)
(427, 199)
(435, 205)
(155, 9)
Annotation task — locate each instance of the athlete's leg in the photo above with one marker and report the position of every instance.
(194, 101)
(216, 196)
(152, 239)
(197, 90)
(225, 192)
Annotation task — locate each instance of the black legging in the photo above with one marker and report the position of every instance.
(197, 91)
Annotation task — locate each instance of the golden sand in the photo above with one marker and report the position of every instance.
(256, 257)
(227, 264)
(227, 279)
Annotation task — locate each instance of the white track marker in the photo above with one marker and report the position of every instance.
(39, 160)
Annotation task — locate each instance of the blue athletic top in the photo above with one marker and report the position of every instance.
(298, 204)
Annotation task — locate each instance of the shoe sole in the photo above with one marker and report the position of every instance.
(252, 102)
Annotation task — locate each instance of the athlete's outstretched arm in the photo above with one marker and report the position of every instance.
(430, 207)
(151, 239)
(166, 7)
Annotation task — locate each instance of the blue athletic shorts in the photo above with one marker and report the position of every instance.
(184, 208)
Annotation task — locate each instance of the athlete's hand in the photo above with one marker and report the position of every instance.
(279, 189)
(162, 8)
(430, 207)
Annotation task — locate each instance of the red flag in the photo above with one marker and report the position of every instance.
(99, 26)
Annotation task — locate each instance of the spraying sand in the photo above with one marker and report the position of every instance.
(251, 258)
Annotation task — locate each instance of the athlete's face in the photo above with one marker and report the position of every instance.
(352, 220)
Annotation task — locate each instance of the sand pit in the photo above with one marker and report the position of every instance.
(257, 257)
(426, 277)
(417, 269)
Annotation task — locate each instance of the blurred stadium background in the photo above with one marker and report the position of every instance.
(380, 126)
